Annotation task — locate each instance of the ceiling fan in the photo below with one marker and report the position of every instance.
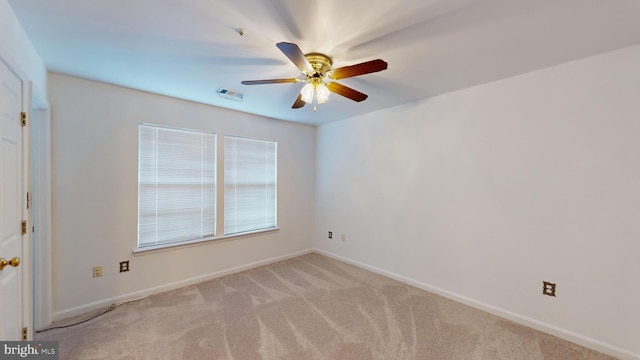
(316, 68)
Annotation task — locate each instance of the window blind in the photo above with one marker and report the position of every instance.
(250, 188)
(176, 185)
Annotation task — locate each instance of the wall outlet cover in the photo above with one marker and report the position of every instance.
(97, 271)
(548, 288)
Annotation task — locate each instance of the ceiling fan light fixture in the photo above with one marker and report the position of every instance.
(316, 91)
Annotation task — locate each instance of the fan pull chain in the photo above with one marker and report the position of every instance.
(315, 99)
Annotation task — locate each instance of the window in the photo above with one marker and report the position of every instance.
(176, 185)
(250, 185)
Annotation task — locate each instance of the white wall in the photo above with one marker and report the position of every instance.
(94, 187)
(484, 193)
(16, 49)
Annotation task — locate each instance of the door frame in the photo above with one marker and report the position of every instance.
(39, 115)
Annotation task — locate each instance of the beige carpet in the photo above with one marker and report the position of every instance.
(309, 307)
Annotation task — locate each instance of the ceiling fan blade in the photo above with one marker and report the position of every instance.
(272, 81)
(293, 52)
(346, 91)
(358, 69)
(298, 103)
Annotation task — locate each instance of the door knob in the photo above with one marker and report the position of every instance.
(13, 262)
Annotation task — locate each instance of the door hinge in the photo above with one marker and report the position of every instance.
(24, 118)
(27, 201)
(24, 227)
(25, 333)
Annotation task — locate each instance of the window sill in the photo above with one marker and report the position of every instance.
(168, 247)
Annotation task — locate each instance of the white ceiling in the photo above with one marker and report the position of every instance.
(189, 48)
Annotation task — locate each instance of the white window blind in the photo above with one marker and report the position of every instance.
(250, 186)
(176, 185)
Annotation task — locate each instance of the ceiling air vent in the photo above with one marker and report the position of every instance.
(231, 94)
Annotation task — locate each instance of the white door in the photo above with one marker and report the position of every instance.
(10, 205)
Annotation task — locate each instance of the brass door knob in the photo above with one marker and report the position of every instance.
(13, 262)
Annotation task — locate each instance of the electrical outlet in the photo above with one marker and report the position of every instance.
(548, 288)
(97, 271)
(330, 234)
(344, 237)
(124, 266)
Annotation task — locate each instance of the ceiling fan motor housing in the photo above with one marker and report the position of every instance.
(320, 63)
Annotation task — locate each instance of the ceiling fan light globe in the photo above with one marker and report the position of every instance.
(307, 93)
(322, 93)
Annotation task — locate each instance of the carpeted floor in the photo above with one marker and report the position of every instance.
(309, 307)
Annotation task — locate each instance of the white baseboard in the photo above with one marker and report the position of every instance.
(523, 320)
(83, 309)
